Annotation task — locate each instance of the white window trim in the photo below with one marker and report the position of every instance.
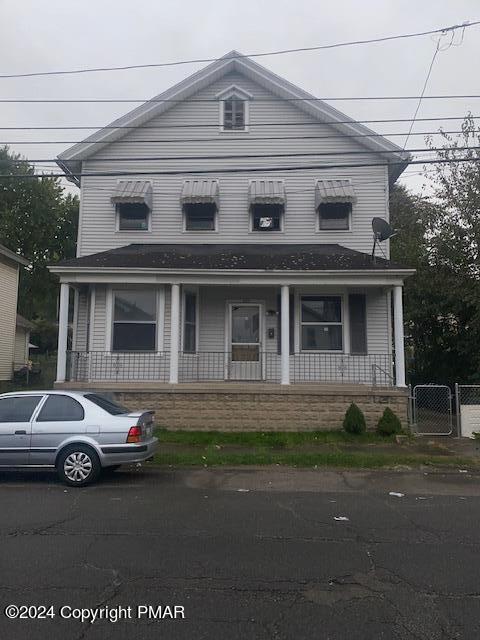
(199, 231)
(350, 218)
(233, 90)
(159, 320)
(195, 291)
(344, 324)
(135, 231)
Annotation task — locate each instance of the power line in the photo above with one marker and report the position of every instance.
(255, 155)
(237, 56)
(216, 101)
(223, 170)
(258, 124)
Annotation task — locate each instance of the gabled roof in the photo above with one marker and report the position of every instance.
(10, 255)
(70, 160)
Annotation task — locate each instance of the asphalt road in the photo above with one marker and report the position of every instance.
(247, 554)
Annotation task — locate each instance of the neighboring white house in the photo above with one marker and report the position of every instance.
(236, 245)
(10, 264)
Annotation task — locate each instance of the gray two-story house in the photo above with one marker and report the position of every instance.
(225, 239)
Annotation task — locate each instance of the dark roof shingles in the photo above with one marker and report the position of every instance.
(264, 257)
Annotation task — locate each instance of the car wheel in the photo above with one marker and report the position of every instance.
(78, 465)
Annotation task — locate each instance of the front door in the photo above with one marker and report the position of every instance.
(245, 353)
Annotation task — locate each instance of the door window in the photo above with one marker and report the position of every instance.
(59, 408)
(245, 333)
(18, 409)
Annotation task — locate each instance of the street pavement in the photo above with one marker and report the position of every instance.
(242, 553)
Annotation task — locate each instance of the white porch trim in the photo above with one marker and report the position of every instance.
(174, 333)
(399, 337)
(62, 332)
(285, 342)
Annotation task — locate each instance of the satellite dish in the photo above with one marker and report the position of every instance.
(381, 231)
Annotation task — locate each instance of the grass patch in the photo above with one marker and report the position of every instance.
(277, 439)
(265, 456)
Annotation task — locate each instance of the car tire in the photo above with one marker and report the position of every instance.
(78, 465)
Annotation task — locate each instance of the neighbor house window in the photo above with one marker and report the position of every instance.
(234, 114)
(132, 216)
(134, 320)
(334, 216)
(190, 322)
(321, 323)
(200, 216)
(267, 217)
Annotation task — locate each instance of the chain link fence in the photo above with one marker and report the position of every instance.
(431, 410)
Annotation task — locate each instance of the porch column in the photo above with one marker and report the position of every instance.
(62, 332)
(398, 333)
(285, 342)
(174, 333)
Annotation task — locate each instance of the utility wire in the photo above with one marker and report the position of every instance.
(216, 101)
(224, 170)
(216, 126)
(238, 56)
(255, 155)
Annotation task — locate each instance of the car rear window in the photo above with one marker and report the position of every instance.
(110, 406)
(60, 408)
(18, 409)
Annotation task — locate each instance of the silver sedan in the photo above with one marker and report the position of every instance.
(78, 433)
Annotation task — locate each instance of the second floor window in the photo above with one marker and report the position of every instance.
(267, 217)
(334, 216)
(200, 216)
(132, 216)
(234, 114)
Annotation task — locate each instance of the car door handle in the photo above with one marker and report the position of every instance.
(20, 433)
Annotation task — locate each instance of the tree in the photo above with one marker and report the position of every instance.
(440, 237)
(39, 221)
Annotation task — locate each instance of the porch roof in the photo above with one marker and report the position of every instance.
(242, 257)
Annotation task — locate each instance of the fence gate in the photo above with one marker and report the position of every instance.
(432, 410)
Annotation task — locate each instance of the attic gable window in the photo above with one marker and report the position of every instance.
(234, 109)
(234, 114)
(334, 202)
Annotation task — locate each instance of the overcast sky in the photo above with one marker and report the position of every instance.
(43, 36)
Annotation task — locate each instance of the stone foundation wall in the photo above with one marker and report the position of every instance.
(262, 411)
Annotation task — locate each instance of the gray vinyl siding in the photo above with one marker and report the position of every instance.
(98, 222)
(99, 329)
(81, 328)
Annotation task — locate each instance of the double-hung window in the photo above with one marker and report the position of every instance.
(234, 114)
(134, 320)
(133, 216)
(321, 323)
(334, 216)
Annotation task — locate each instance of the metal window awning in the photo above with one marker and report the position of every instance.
(134, 192)
(266, 192)
(200, 192)
(334, 191)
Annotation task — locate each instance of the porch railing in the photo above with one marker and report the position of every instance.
(206, 366)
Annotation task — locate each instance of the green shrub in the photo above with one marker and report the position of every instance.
(389, 423)
(354, 421)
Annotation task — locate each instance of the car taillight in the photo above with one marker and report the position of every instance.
(134, 434)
